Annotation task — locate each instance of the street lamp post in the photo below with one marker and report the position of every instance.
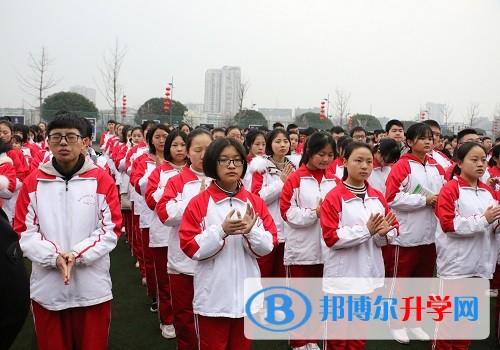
(171, 85)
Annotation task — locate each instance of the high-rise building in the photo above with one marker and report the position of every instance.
(89, 93)
(213, 90)
(221, 90)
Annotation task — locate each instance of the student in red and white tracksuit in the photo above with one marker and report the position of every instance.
(300, 207)
(255, 142)
(159, 235)
(225, 229)
(466, 246)
(414, 254)
(142, 167)
(268, 177)
(171, 206)
(356, 223)
(68, 218)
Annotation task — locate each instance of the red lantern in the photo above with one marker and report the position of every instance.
(168, 88)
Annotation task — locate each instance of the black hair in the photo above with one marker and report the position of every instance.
(486, 138)
(4, 146)
(315, 143)
(251, 136)
(214, 130)
(184, 124)
(170, 139)
(145, 124)
(495, 153)
(125, 130)
(149, 137)
(7, 124)
(138, 128)
(356, 129)
(232, 127)
(309, 131)
(461, 134)
(378, 132)
(111, 121)
(210, 160)
(17, 139)
(89, 129)
(417, 131)
(278, 125)
(263, 128)
(35, 130)
(291, 126)
(393, 122)
(461, 153)
(389, 150)
(195, 133)
(272, 135)
(342, 142)
(433, 123)
(351, 147)
(64, 119)
(337, 130)
(24, 129)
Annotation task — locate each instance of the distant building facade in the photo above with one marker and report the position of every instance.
(221, 90)
(89, 93)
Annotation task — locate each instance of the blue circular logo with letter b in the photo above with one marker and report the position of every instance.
(285, 309)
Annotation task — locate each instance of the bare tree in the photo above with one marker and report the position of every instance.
(447, 111)
(340, 106)
(39, 80)
(471, 114)
(240, 94)
(110, 71)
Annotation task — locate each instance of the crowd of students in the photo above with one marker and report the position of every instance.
(204, 209)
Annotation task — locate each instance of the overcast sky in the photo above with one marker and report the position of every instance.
(393, 56)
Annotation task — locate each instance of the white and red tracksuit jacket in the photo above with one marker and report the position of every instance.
(82, 216)
(267, 184)
(142, 167)
(441, 159)
(9, 184)
(417, 222)
(299, 199)
(353, 251)
(179, 191)
(159, 234)
(378, 177)
(224, 262)
(465, 243)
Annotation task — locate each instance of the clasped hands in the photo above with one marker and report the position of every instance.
(235, 224)
(65, 263)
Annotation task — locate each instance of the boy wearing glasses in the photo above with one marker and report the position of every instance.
(68, 218)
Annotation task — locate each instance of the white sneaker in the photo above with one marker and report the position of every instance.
(400, 335)
(143, 281)
(420, 334)
(300, 348)
(123, 229)
(492, 293)
(137, 264)
(312, 346)
(167, 331)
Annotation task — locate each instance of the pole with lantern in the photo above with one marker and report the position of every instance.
(322, 111)
(349, 122)
(124, 106)
(166, 102)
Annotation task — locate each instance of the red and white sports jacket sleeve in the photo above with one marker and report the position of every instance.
(395, 193)
(294, 215)
(171, 205)
(452, 223)
(8, 179)
(152, 186)
(41, 251)
(268, 193)
(256, 242)
(197, 241)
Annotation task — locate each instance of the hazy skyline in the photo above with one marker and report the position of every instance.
(393, 56)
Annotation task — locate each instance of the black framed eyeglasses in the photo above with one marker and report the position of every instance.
(226, 162)
(57, 138)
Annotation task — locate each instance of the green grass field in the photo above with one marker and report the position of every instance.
(133, 326)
